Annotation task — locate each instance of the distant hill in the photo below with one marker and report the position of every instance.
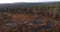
(8, 5)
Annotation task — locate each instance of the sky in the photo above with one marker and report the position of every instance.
(13, 1)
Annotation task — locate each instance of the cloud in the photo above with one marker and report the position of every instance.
(11, 1)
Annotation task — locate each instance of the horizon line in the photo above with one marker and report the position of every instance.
(30, 2)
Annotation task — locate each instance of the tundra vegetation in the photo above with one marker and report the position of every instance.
(37, 18)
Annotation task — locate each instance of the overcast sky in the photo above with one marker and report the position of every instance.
(12, 1)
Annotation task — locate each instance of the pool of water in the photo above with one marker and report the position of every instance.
(38, 21)
(11, 24)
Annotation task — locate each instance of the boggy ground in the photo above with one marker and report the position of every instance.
(11, 22)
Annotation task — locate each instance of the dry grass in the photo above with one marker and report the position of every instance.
(28, 18)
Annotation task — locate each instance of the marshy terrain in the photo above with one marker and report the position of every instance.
(30, 17)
